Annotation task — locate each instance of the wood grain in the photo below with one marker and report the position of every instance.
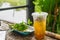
(53, 35)
(14, 36)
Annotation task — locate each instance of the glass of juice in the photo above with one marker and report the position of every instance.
(39, 24)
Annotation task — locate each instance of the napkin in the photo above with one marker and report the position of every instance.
(2, 35)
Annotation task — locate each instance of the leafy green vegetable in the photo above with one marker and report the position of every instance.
(20, 27)
(38, 5)
(29, 22)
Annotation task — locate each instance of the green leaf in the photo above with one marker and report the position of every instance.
(20, 27)
(29, 22)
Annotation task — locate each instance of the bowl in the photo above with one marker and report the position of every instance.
(24, 33)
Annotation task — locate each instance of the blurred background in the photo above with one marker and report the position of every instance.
(52, 7)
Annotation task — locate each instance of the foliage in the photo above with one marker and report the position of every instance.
(29, 22)
(50, 6)
(58, 23)
(14, 2)
(38, 5)
(20, 27)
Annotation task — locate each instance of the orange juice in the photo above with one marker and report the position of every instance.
(40, 28)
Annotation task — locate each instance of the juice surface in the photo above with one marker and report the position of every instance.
(40, 28)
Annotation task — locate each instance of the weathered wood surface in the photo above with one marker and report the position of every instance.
(54, 35)
(14, 36)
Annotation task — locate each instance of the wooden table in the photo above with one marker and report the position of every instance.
(15, 36)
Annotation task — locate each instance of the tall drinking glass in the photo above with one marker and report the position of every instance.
(39, 24)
